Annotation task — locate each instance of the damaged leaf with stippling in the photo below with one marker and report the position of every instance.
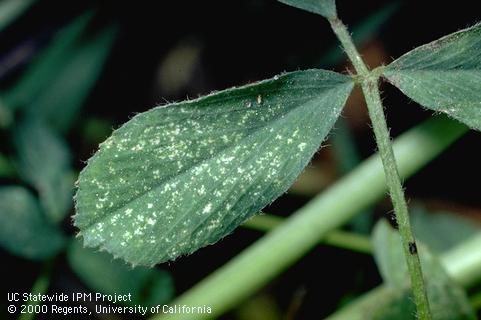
(444, 75)
(182, 176)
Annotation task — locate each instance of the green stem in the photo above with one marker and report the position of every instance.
(466, 271)
(336, 238)
(345, 38)
(370, 88)
(373, 99)
(40, 286)
(276, 251)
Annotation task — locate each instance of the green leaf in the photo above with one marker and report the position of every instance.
(179, 177)
(43, 160)
(100, 273)
(444, 75)
(66, 93)
(6, 167)
(447, 299)
(441, 231)
(6, 116)
(47, 64)
(11, 10)
(24, 230)
(326, 8)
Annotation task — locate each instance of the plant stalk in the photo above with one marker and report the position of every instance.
(336, 238)
(370, 88)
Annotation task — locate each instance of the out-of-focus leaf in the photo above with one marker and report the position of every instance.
(444, 75)
(441, 231)
(24, 230)
(361, 33)
(45, 67)
(59, 103)
(260, 307)
(6, 116)
(326, 8)
(96, 130)
(178, 67)
(11, 9)
(44, 161)
(390, 261)
(6, 167)
(447, 299)
(347, 157)
(179, 177)
(101, 273)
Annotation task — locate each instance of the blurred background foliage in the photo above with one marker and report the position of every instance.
(72, 71)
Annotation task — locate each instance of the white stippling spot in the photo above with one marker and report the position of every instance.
(302, 146)
(149, 205)
(259, 99)
(207, 208)
(128, 211)
(226, 159)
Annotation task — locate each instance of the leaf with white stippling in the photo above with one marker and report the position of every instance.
(326, 8)
(179, 177)
(444, 75)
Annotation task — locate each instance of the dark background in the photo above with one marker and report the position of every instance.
(231, 43)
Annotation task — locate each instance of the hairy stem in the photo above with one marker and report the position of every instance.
(373, 99)
(277, 250)
(466, 271)
(370, 88)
